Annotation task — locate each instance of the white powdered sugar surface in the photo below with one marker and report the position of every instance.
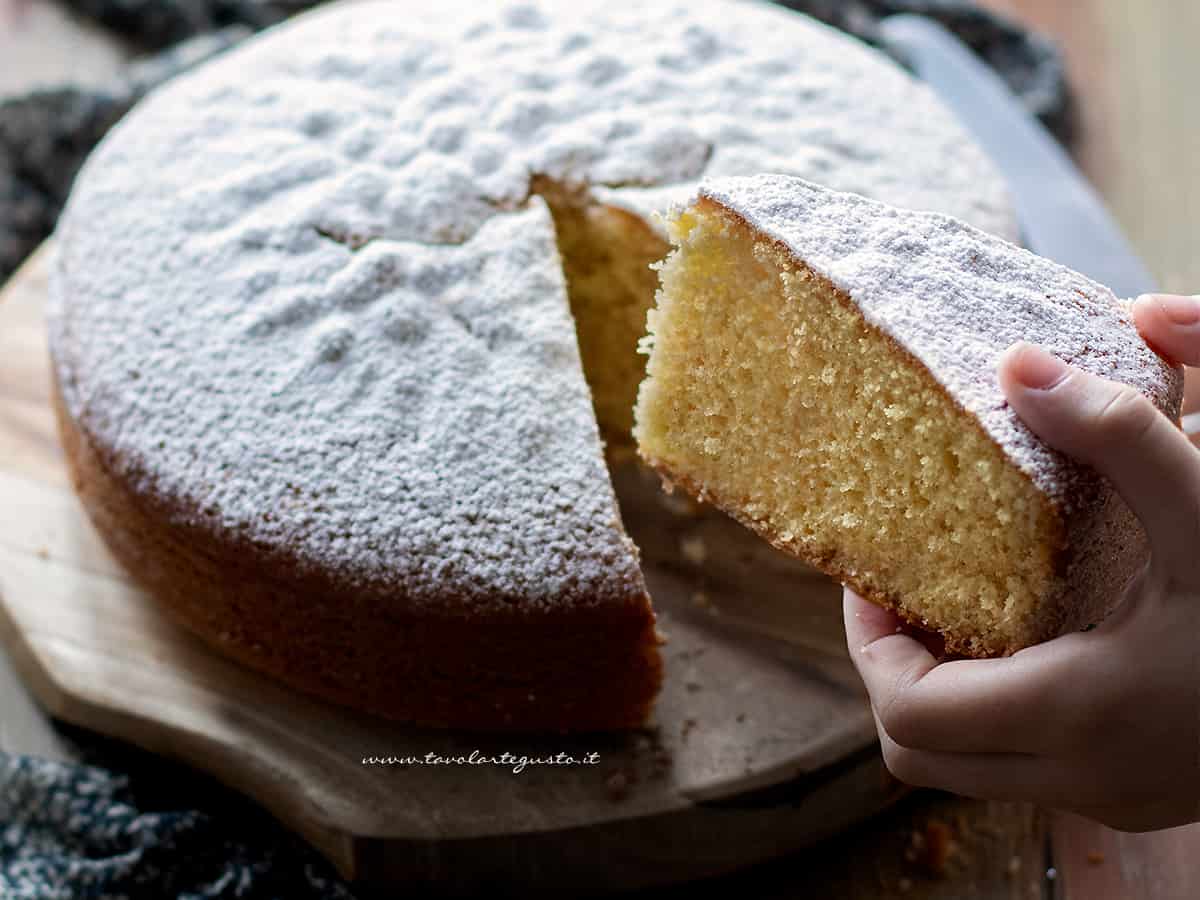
(305, 292)
(955, 298)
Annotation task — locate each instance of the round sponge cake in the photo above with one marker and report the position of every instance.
(333, 319)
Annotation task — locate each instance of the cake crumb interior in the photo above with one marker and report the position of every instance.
(607, 257)
(769, 393)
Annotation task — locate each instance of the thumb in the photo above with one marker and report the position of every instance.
(1170, 324)
(1119, 432)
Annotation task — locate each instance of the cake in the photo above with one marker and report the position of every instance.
(341, 321)
(823, 367)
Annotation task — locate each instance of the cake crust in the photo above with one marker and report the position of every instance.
(365, 648)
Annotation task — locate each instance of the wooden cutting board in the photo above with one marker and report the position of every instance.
(761, 743)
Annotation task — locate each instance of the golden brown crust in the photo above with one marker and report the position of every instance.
(1105, 548)
(588, 668)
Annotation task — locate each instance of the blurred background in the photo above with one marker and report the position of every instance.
(1134, 69)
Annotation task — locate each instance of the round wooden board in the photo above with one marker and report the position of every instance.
(761, 742)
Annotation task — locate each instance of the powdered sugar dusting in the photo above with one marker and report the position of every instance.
(305, 290)
(956, 298)
(441, 436)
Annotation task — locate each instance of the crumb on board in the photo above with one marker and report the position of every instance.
(961, 826)
(1095, 857)
(1014, 866)
(653, 758)
(43, 552)
(931, 847)
(662, 763)
(679, 504)
(694, 550)
(618, 453)
(617, 786)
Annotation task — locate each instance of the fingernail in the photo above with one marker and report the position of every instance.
(1180, 310)
(1038, 369)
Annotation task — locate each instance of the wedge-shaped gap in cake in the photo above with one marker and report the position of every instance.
(607, 257)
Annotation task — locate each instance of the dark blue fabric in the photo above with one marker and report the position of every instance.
(73, 832)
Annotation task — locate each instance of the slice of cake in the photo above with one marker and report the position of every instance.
(823, 367)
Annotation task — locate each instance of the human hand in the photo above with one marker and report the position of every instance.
(1105, 723)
